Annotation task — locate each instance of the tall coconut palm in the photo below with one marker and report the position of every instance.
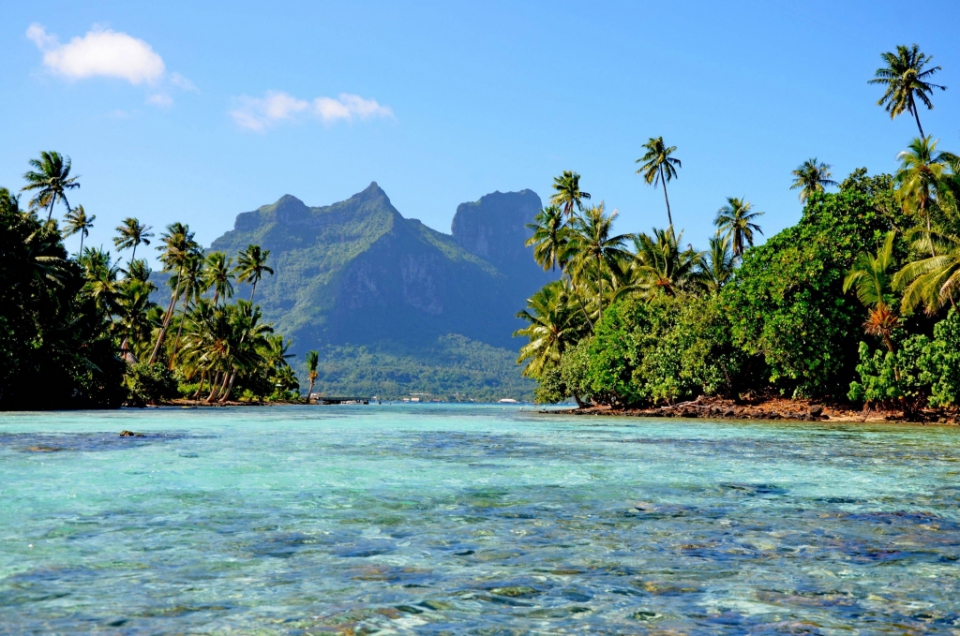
(251, 266)
(594, 246)
(659, 167)
(313, 358)
(131, 234)
(906, 82)
(736, 221)
(718, 264)
(178, 248)
(50, 180)
(78, 223)
(567, 192)
(550, 238)
(871, 276)
(920, 177)
(932, 282)
(554, 325)
(218, 275)
(660, 267)
(811, 176)
(192, 285)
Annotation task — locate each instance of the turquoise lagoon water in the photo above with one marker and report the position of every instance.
(486, 520)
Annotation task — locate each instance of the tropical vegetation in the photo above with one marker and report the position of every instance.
(80, 330)
(855, 303)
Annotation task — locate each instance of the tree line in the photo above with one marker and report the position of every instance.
(854, 303)
(81, 330)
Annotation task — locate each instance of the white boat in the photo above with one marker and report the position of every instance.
(507, 401)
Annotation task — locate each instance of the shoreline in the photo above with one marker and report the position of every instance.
(774, 409)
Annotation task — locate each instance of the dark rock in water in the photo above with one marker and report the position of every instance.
(126, 433)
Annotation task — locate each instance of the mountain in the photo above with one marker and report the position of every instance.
(393, 305)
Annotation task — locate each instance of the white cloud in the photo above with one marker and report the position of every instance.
(260, 113)
(105, 53)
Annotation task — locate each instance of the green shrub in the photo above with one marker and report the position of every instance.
(151, 383)
(941, 362)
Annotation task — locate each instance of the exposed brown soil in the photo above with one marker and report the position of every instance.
(772, 409)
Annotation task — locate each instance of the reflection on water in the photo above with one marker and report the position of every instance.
(486, 520)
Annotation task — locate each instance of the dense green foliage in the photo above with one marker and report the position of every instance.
(851, 303)
(81, 332)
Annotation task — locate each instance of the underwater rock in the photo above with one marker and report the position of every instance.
(126, 433)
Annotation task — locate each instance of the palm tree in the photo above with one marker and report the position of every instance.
(313, 357)
(717, 265)
(567, 192)
(812, 176)
(131, 234)
(218, 275)
(51, 179)
(554, 325)
(78, 222)
(251, 265)
(735, 220)
(178, 248)
(871, 277)
(192, 285)
(935, 281)
(101, 279)
(658, 167)
(920, 176)
(906, 82)
(593, 246)
(550, 238)
(660, 267)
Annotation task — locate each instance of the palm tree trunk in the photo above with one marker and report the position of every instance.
(663, 182)
(253, 289)
(217, 388)
(133, 255)
(916, 115)
(226, 396)
(203, 380)
(310, 391)
(216, 296)
(176, 341)
(166, 318)
(81, 243)
(599, 291)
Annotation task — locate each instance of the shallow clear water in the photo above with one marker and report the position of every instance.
(487, 520)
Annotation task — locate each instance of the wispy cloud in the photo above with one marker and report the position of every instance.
(105, 53)
(261, 113)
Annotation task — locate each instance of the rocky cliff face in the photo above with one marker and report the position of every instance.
(494, 228)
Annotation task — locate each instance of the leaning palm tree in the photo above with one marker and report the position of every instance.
(218, 275)
(906, 82)
(920, 176)
(594, 247)
(251, 266)
(567, 192)
(313, 358)
(131, 234)
(871, 276)
(554, 325)
(659, 167)
(50, 180)
(736, 221)
(78, 223)
(812, 176)
(932, 282)
(178, 248)
(550, 238)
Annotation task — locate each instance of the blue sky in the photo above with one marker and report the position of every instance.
(207, 112)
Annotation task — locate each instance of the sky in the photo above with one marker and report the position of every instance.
(186, 111)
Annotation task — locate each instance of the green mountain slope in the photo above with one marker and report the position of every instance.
(393, 305)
